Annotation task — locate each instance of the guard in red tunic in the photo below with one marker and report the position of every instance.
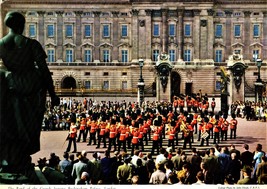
(112, 136)
(102, 134)
(224, 128)
(217, 129)
(171, 132)
(135, 134)
(155, 140)
(205, 132)
(93, 128)
(233, 126)
(140, 137)
(82, 130)
(122, 139)
(72, 137)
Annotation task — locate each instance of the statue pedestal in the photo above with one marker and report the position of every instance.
(237, 78)
(161, 95)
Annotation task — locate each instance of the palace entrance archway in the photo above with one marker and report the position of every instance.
(175, 84)
(68, 83)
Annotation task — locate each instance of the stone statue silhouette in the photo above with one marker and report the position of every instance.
(25, 79)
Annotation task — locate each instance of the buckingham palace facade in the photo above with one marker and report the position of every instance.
(93, 46)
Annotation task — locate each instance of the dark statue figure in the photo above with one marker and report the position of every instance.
(25, 79)
(238, 71)
(164, 74)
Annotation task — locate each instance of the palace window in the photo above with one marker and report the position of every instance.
(172, 55)
(106, 85)
(87, 55)
(255, 54)
(218, 30)
(256, 30)
(155, 55)
(50, 55)
(124, 55)
(32, 30)
(50, 30)
(106, 32)
(69, 55)
(87, 84)
(87, 30)
(124, 85)
(156, 30)
(218, 55)
(172, 30)
(69, 30)
(187, 55)
(124, 30)
(237, 30)
(187, 30)
(106, 57)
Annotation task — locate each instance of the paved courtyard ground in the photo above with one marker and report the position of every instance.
(250, 132)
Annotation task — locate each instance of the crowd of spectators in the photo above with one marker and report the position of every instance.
(218, 165)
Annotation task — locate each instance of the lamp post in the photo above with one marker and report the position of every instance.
(259, 63)
(258, 84)
(141, 84)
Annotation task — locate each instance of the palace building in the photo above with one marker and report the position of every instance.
(94, 46)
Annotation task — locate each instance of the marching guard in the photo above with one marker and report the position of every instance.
(72, 137)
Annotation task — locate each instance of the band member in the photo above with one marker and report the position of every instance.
(196, 105)
(171, 132)
(93, 127)
(185, 128)
(140, 137)
(211, 123)
(189, 104)
(205, 132)
(224, 127)
(200, 125)
(145, 131)
(82, 131)
(112, 135)
(233, 126)
(122, 138)
(135, 134)
(102, 134)
(217, 129)
(181, 104)
(72, 137)
(155, 140)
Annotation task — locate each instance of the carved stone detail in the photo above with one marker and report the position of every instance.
(228, 13)
(148, 12)
(247, 13)
(115, 13)
(96, 13)
(196, 12)
(135, 12)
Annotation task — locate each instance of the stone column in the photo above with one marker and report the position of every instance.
(210, 39)
(246, 38)
(116, 34)
(228, 33)
(142, 28)
(135, 33)
(164, 30)
(196, 34)
(264, 38)
(78, 36)
(180, 34)
(41, 29)
(97, 36)
(60, 37)
(148, 35)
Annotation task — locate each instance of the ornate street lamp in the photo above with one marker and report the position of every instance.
(141, 84)
(258, 64)
(258, 85)
(141, 64)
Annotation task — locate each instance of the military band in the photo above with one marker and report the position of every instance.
(135, 127)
